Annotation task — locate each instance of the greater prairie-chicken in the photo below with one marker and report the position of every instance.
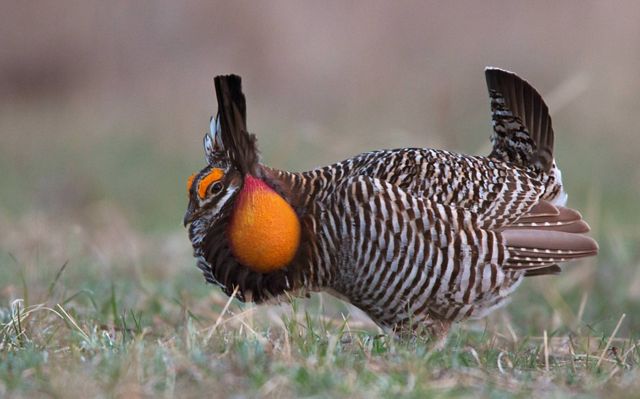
(415, 237)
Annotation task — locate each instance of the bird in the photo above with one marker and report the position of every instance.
(417, 238)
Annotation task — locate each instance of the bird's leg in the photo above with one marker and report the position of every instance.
(434, 329)
(438, 332)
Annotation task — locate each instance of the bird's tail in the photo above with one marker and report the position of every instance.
(522, 132)
(546, 236)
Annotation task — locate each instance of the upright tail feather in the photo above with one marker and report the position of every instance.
(522, 132)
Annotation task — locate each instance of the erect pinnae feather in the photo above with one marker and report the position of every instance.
(232, 112)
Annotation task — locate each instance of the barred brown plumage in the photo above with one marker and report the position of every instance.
(416, 237)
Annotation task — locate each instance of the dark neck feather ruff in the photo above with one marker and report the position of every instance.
(221, 268)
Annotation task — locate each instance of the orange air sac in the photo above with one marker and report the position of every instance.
(264, 233)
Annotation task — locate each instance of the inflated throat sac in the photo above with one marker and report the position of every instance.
(264, 233)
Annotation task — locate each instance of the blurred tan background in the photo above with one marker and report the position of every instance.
(103, 105)
(90, 90)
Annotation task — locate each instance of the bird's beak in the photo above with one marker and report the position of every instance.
(189, 215)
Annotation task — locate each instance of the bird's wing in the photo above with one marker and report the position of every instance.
(400, 243)
(497, 192)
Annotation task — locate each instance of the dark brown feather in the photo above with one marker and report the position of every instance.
(543, 271)
(523, 135)
(232, 111)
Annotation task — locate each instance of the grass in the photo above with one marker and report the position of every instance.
(150, 326)
(55, 350)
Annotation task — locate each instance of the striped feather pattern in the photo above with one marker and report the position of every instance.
(416, 237)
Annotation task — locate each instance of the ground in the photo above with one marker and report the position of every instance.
(126, 314)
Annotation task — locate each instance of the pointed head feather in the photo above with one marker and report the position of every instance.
(239, 144)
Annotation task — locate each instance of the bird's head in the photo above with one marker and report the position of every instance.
(216, 185)
(230, 203)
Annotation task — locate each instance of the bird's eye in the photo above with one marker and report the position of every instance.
(216, 187)
(210, 182)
